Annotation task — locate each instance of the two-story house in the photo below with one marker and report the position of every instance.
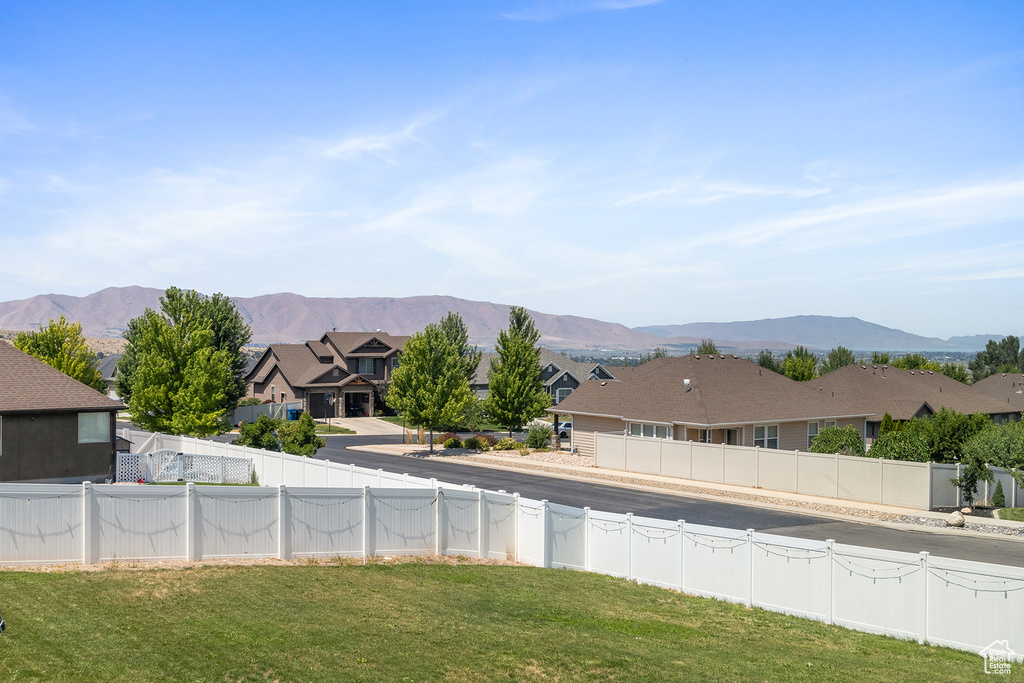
(336, 375)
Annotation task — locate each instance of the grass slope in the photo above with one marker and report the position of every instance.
(421, 621)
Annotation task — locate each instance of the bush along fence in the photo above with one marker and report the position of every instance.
(902, 594)
(919, 485)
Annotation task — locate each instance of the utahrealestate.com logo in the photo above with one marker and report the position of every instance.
(998, 657)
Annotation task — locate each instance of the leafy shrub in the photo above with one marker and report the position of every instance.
(453, 443)
(524, 451)
(900, 445)
(445, 437)
(998, 497)
(845, 441)
(259, 434)
(249, 402)
(539, 436)
(507, 444)
(299, 438)
(475, 443)
(487, 439)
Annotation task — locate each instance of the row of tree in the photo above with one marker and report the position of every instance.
(431, 387)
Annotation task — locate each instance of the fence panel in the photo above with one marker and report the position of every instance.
(993, 593)
(792, 576)
(567, 541)
(740, 465)
(944, 493)
(610, 451)
(860, 479)
(676, 459)
(656, 552)
(531, 526)
(40, 523)
(905, 483)
(816, 474)
(707, 462)
(716, 562)
(401, 521)
(236, 521)
(324, 522)
(608, 543)
(879, 591)
(498, 520)
(459, 520)
(778, 469)
(643, 455)
(140, 523)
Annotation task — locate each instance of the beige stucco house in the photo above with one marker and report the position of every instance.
(707, 398)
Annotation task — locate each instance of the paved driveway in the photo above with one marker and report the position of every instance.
(367, 426)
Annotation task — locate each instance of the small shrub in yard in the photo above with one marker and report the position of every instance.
(524, 451)
(539, 436)
(845, 441)
(475, 443)
(487, 439)
(998, 497)
(443, 438)
(453, 443)
(507, 444)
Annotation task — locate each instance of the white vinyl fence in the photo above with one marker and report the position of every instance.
(166, 465)
(369, 512)
(919, 485)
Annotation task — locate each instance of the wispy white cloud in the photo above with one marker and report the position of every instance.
(708, 192)
(548, 10)
(375, 144)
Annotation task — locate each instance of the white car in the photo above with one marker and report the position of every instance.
(564, 430)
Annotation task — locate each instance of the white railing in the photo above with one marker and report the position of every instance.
(166, 465)
(370, 512)
(919, 485)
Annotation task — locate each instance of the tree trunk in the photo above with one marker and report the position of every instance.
(431, 439)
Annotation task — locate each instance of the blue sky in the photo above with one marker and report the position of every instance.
(641, 162)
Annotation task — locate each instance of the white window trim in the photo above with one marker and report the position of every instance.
(371, 362)
(653, 428)
(810, 436)
(766, 439)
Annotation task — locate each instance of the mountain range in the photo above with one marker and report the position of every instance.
(293, 318)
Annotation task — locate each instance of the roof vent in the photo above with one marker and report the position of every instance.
(696, 357)
(721, 357)
(604, 384)
(686, 382)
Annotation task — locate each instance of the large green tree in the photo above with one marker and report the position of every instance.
(183, 367)
(957, 371)
(455, 330)
(1002, 356)
(767, 359)
(916, 361)
(707, 347)
(62, 346)
(430, 388)
(838, 357)
(800, 364)
(515, 388)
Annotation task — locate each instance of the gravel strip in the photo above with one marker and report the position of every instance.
(538, 459)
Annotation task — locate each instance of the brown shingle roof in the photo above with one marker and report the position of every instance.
(348, 342)
(723, 390)
(880, 389)
(1006, 387)
(30, 385)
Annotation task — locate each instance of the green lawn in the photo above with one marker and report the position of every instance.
(421, 622)
(332, 429)
(1016, 514)
(484, 427)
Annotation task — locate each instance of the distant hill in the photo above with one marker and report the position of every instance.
(823, 332)
(294, 318)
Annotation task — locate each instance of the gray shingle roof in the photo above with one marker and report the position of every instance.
(30, 385)
(881, 389)
(1006, 387)
(722, 390)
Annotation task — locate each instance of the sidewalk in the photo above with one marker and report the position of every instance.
(848, 510)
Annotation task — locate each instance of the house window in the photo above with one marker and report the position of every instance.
(704, 436)
(367, 366)
(649, 431)
(273, 393)
(812, 431)
(394, 362)
(561, 393)
(93, 427)
(766, 436)
(830, 423)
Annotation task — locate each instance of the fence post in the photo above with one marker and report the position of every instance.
(931, 486)
(366, 521)
(586, 539)
(515, 527)
(881, 482)
(86, 522)
(750, 567)
(283, 525)
(831, 580)
(405, 479)
(545, 553)
(380, 477)
(480, 523)
(923, 637)
(629, 546)
(723, 463)
(352, 474)
(757, 467)
(682, 555)
(836, 456)
(223, 470)
(181, 466)
(438, 496)
(327, 472)
(190, 522)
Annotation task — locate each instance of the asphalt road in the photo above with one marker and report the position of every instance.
(663, 505)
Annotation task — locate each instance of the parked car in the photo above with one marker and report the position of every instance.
(564, 430)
